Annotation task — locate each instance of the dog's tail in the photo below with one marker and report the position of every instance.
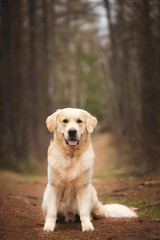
(110, 210)
(118, 211)
(113, 211)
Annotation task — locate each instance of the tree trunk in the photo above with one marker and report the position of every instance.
(150, 97)
(7, 150)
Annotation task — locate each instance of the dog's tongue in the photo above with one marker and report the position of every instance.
(72, 142)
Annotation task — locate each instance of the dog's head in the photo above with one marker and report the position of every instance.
(71, 124)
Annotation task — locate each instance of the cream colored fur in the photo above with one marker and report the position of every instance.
(69, 190)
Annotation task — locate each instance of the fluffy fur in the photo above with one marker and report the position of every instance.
(69, 190)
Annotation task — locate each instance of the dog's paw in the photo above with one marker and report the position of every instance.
(49, 225)
(87, 226)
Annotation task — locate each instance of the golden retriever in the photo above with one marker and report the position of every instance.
(69, 191)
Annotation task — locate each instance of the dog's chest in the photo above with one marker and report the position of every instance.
(65, 169)
(70, 171)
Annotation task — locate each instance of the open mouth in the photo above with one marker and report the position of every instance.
(72, 142)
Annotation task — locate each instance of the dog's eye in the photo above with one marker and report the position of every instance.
(65, 121)
(79, 121)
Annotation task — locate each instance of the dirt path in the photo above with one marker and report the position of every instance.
(104, 152)
(21, 216)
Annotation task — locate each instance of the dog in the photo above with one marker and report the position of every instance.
(69, 191)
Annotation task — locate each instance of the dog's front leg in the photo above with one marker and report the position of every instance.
(50, 205)
(84, 205)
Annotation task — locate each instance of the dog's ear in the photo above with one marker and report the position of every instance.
(91, 122)
(51, 121)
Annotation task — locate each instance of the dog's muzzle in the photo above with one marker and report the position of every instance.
(72, 134)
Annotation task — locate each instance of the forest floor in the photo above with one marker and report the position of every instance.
(21, 216)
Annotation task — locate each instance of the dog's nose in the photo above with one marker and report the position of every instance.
(72, 132)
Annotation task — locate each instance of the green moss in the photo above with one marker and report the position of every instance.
(153, 211)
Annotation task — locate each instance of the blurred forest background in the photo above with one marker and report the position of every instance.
(58, 53)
